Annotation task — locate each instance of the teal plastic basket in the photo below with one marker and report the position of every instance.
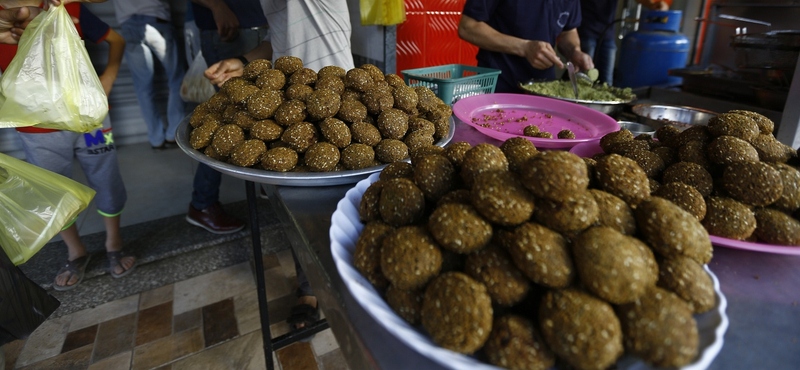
(452, 82)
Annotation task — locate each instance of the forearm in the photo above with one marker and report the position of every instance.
(262, 51)
(485, 37)
(116, 49)
(211, 4)
(568, 43)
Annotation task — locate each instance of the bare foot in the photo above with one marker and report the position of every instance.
(309, 300)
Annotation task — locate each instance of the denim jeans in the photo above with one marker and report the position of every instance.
(206, 179)
(602, 55)
(148, 38)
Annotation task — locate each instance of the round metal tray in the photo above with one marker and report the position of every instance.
(283, 178)
(611, 108)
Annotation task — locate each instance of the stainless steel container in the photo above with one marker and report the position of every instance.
(636, 128)
(657, 115)
(611, 108)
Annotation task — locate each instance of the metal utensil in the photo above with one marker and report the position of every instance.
(572, 79)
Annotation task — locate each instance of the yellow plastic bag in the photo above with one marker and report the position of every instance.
(51, 83)
(382, 12)
(35, 204)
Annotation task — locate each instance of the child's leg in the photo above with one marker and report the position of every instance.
(114, 243)
(76, 250)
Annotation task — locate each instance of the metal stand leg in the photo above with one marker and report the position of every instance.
(255, 234)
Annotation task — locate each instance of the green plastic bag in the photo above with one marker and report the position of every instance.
(51, 83)
(382, 12)
(35, 204)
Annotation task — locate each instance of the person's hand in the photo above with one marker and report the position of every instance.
(660, 5)
(49, 3)
(224, 70)
(13, 21)
(227, 22)
(541, 55)
(581, 60)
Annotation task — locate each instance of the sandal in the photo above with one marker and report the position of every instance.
(114, 259)
(303, 314)
(76, 267)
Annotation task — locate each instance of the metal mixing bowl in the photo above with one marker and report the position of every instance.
(636, 128)
(611, 108)
(657, 115)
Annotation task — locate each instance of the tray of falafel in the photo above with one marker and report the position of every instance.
(294, 126)
(485, 257)
(732, 174)
(548, 123)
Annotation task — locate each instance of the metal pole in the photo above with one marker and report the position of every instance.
(255, 234)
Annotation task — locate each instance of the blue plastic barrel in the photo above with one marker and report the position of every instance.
(648, 54)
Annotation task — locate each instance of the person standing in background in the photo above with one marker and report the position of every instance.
(149, 35)
(597, 33)
(55, 150)
(519, 38)
(227, 29)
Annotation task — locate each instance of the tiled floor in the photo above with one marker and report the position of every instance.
(209, 321)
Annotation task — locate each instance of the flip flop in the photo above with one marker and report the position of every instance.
(76, 267)
(303, 314)
(114, 259)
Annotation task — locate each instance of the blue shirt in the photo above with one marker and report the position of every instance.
(248, 12)
(540, 20)
(598, 16)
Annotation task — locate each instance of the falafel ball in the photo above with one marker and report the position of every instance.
(555, 175)
(417, 124)
(374, 72)
(500, 197)
(406, 303)
(290, 112)
(280, 159)
(300, 136)
(650, 162)
(271, 79)
(610, 139)
(254, 69)
(264, 104)
(459, 228)
(440, 116)
(615, 213)
(426, 99)
(365, 133)
(397, 170)
(729, 150)
(352, 111)
(358, 79)
(790, 178)
(335, 132)
(518, 150)
(456, 152)
(626, 146)
(323, 103)
(776, 227)
(755, 184)
(434, 175)
(401, 203)
(694, 133)
(686, 278)
(733, 124)
(405, 99)
(728, 218)
(298, 92)
(566, 134)
(303, 76)
(367, 256)
(391, 150)
(570, 216)
(623, 177)
(266, 130)
(332, 83)
(492, 266)
(515, 344)
(321, 157)
(671, 231)
(542, 255)
(457, 312)
(335, 71)
(201, 137)
(667, 134)
(691, 174)
(288, 64)
(369, 207)
(581, 329)
(393, 124)
(357, 156)
(765, 125)
(530, 130)
(611, 265)
(248, 153)
(377, 100)
(660, 329)
(695, 152)
(685, 196)
(417, 140)
(226, 138)
(482, 158)
(771, 150)
(410, 257)
(394, 80)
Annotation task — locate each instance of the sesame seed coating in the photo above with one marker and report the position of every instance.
(671, 231)
(542, 255)
(357, 156)
(367, 255)
(459, 228)
(410, 257)
(755, 184)
(776, 227)
(401, 203)
(493, 267)
(515, 344)
(686, 278)
(555, 175)
(248, 153)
